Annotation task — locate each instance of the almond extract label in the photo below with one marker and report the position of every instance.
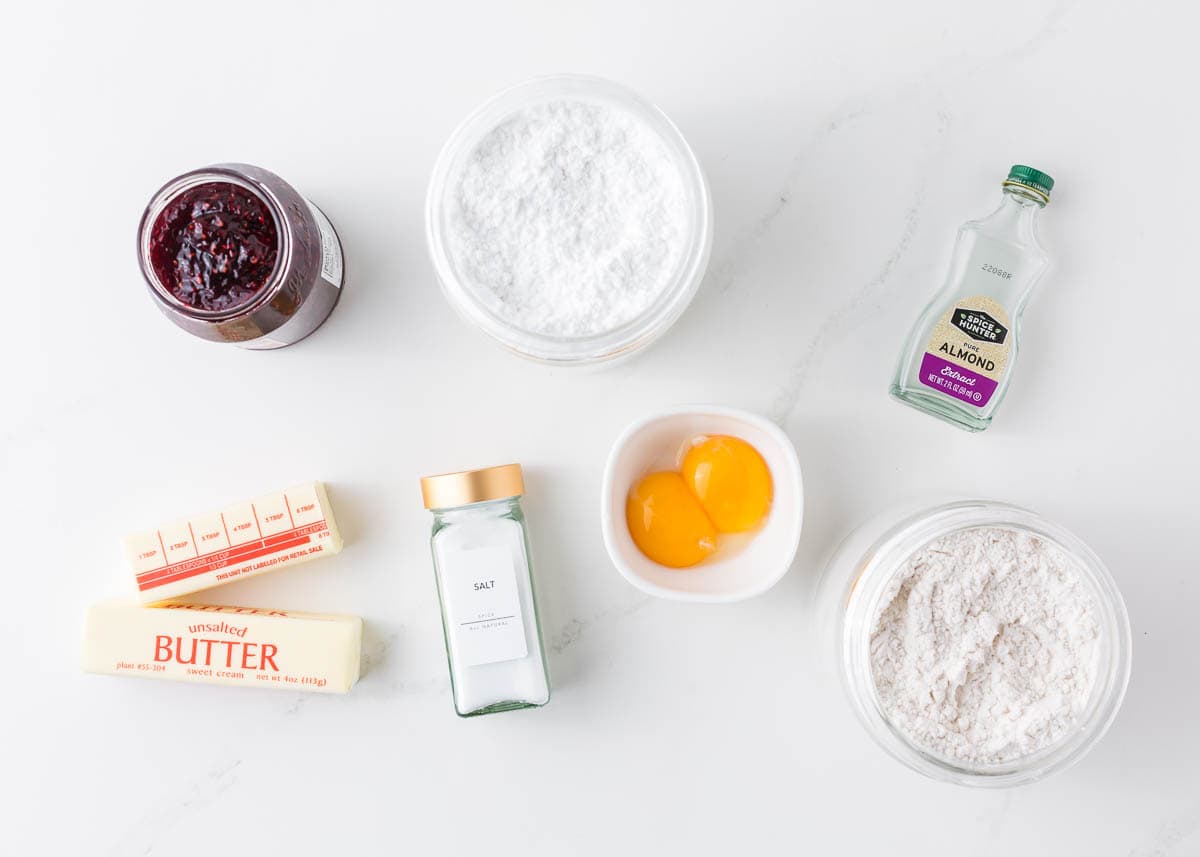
(968, 351)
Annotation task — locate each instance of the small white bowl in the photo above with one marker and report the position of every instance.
(740, 573)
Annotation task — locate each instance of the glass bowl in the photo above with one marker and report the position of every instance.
(675, 295)
(856, 578)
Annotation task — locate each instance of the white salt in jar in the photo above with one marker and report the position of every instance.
(485, 586)
(569, 219)
(977, 642)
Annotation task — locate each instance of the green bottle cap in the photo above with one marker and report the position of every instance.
(1028, 177)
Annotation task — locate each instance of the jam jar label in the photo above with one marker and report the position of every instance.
(968, 351)
(483, 605)
(331, 249)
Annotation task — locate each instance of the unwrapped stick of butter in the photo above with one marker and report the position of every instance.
(210, 644)
(260, 535)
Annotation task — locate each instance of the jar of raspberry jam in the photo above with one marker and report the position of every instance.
(233, 253)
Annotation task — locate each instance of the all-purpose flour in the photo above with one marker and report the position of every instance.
(985, 647)
(569, 218)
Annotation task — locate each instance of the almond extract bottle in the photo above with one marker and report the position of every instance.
(957, 362)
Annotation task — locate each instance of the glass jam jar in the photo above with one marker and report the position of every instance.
(232, 253)
(485, 586)
(853, 590)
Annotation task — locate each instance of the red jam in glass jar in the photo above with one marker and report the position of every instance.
(233, 253)
(214, 246)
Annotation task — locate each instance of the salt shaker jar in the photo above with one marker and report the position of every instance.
(485, 586)
(233, 253)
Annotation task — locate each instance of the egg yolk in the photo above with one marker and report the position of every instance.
(731, 480)
(667, 522)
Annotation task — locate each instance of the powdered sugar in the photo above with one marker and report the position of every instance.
(569, 218)
(985, 646)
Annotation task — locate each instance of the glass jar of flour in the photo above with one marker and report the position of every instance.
(485, 586)
(978, 643)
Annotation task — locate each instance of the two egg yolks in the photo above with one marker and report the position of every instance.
(723, 486)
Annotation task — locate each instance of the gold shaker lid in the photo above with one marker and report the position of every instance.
(447, 490)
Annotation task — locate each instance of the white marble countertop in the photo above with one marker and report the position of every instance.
(844, 143)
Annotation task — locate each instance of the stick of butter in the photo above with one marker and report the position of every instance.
(244, 646)
(264, 534)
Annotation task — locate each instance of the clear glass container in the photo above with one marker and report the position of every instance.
(626, 339)
(957, 362)
(485, 587)
(303, 287)
(856, 578)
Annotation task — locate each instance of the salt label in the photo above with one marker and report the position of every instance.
(484, 607)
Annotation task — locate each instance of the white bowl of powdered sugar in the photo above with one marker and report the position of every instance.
(979, 643)
(569, 219)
